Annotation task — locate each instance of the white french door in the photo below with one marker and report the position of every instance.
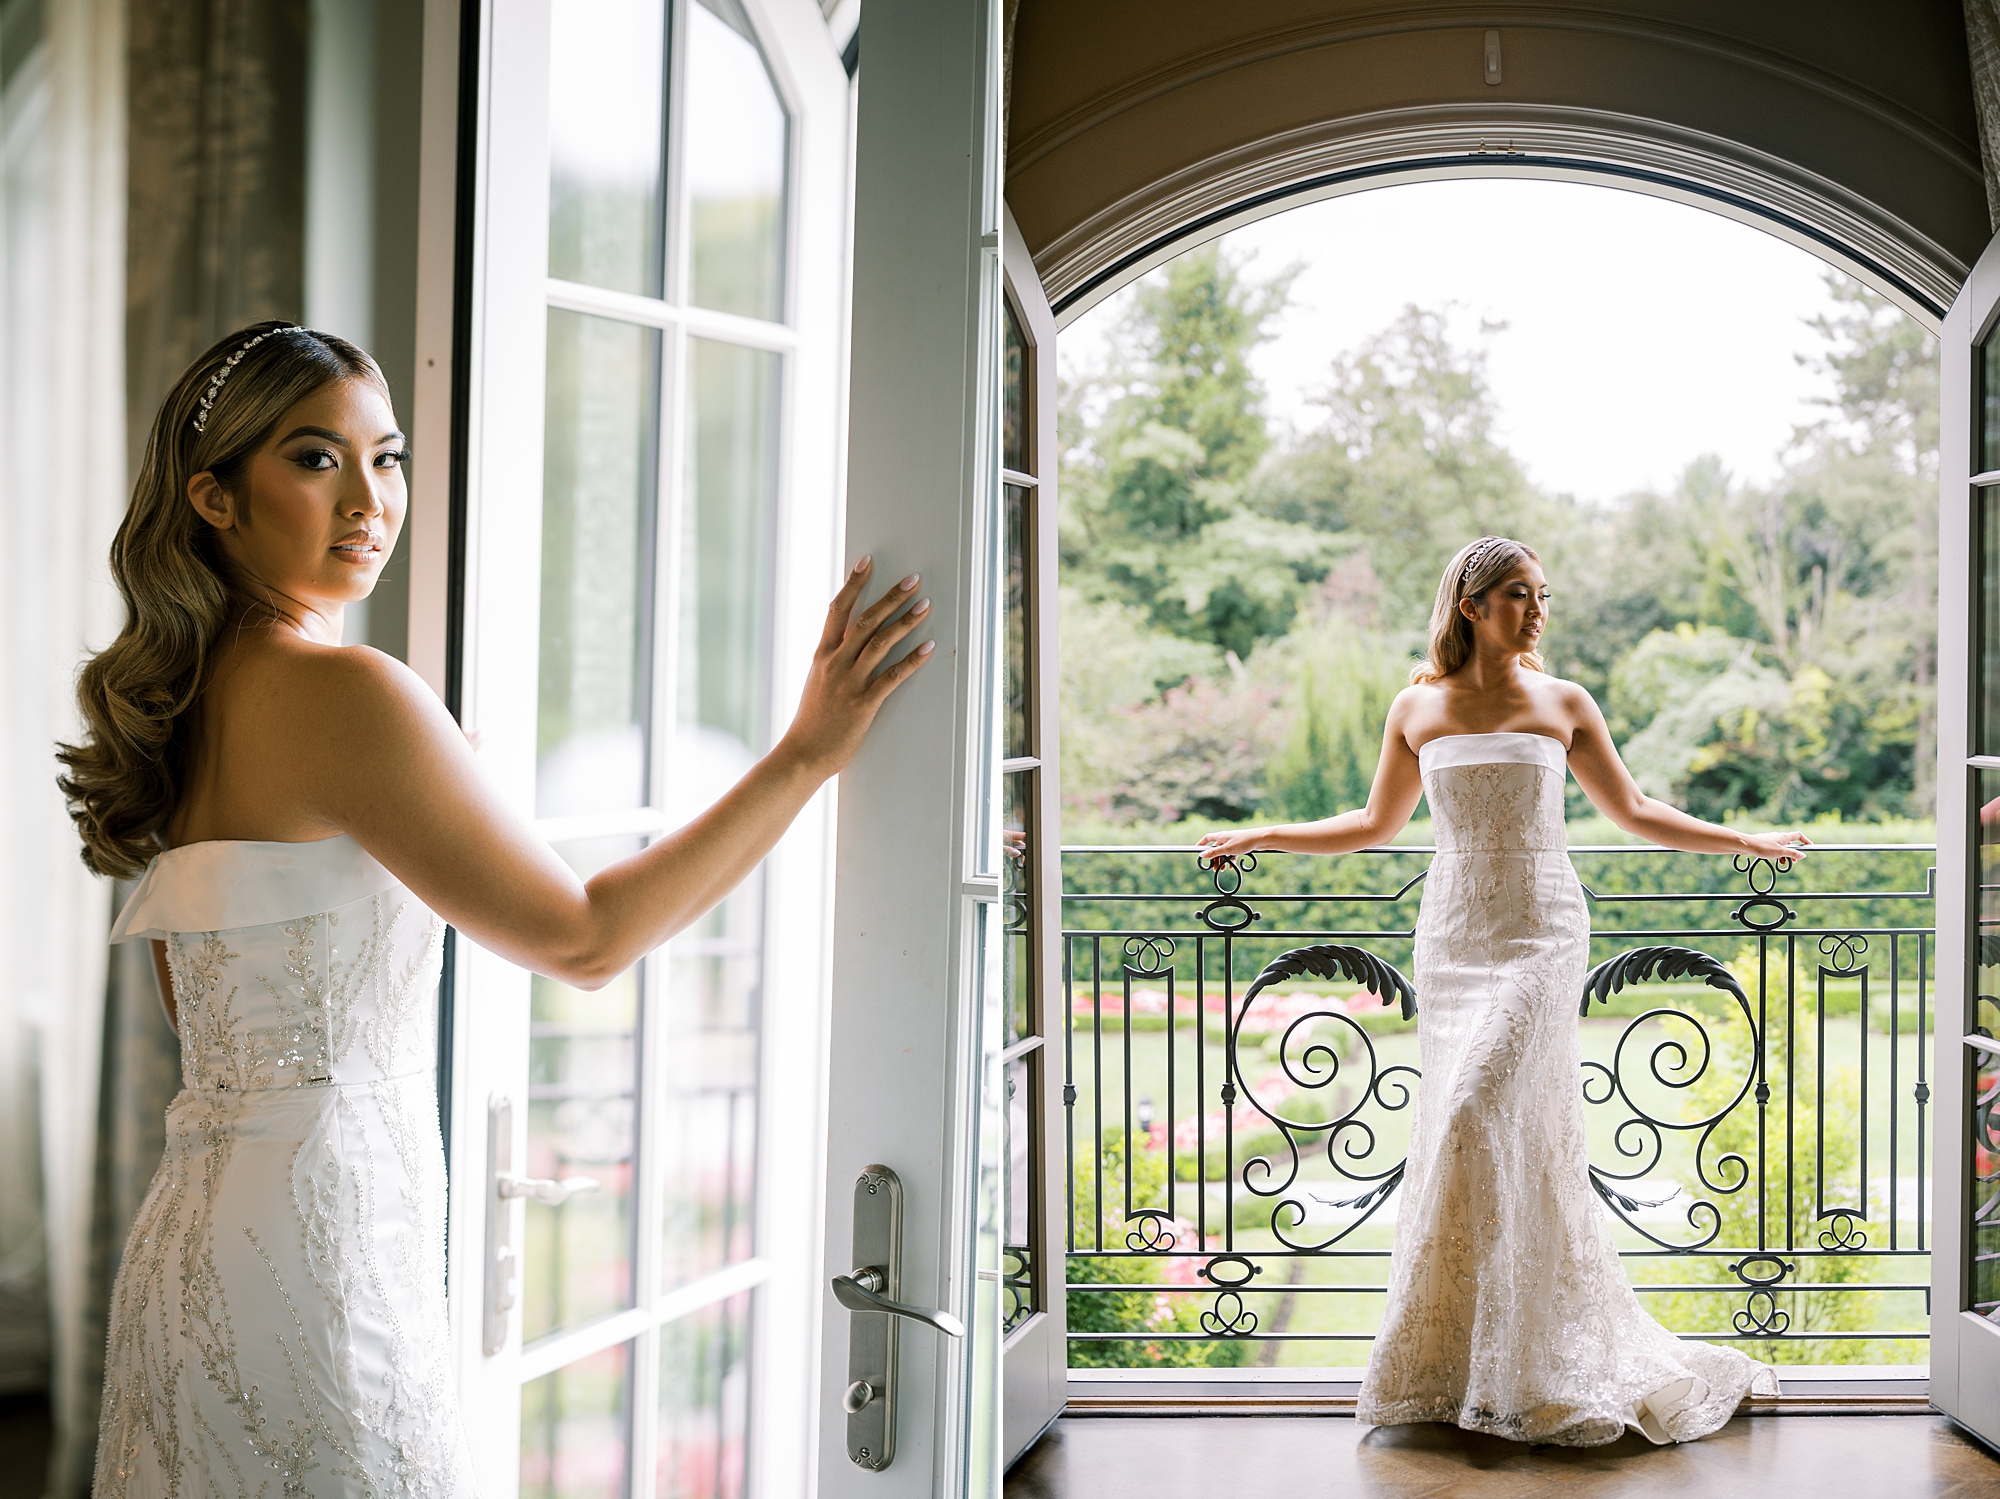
(916, 1080)
(654, 289)
(1965, 1293)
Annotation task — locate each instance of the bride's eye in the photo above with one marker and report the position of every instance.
(318, 460)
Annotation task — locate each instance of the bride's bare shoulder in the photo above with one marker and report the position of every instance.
(1573, 698)
(1415, 698)
(354, 697)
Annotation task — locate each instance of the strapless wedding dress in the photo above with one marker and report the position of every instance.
(1508, 1309)
(278, 1321)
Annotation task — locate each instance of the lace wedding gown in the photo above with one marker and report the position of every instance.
(278, 1321)
(1508, 1309)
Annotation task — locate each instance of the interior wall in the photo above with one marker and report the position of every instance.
(362, 107)
(1125, 111)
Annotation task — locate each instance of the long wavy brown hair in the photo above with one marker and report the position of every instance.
(124, 779)
(1477, 567)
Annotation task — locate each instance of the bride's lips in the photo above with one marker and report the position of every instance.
(362, 548)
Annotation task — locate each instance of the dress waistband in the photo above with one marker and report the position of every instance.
(223, 1089)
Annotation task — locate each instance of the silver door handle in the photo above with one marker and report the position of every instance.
(542, 1189)
(861, 1292)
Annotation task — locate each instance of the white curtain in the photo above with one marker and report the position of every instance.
(62, 489)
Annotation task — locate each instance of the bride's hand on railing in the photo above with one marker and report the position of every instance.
(1790, 846)
(1233, 844)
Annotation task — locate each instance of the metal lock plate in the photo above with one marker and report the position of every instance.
(871, 1336)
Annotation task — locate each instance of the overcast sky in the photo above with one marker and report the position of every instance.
(1640, 333)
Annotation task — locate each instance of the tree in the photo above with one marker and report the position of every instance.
(1153, 511)
(1406, 465)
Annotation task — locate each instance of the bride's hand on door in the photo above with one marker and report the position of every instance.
(851, 674)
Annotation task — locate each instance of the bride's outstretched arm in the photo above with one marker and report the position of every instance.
(379, 758)
(1391, 800)
(1594, 761)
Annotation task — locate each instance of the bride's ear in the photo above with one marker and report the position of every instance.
(1469, 608)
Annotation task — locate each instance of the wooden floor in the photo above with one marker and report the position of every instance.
(1301, 1457)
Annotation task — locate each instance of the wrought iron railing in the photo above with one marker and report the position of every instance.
(1235, 1119)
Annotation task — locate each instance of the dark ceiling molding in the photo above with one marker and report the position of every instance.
(1283, 41)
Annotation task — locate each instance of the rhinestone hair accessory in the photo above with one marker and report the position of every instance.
(1478, 553)
(229, 365)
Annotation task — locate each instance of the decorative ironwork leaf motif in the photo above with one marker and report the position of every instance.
(1367, 1201)
(1642, 963)
(1331, 960)
(1627, 1200)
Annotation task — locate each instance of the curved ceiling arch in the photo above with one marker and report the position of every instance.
(1842, 126)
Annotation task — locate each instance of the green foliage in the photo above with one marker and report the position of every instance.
(1343, 677)
(1138, 1310)
(1153, 512)
(1406, 466)
(1249, 607)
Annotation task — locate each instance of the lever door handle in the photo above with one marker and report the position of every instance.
(543, 1190)
(861, 1292)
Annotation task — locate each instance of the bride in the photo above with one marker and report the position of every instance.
(303, 818)
(1508, 1310)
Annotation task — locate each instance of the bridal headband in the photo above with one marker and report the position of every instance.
(1479, 552)
(215, 383)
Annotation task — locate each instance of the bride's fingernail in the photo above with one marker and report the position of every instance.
(927, 647)
(862, 566)
(920, 607)
(908, 583)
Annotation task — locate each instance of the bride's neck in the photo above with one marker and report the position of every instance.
(1484, 672)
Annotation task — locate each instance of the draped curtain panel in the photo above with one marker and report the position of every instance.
(1982, 39)
(62, 486)
(163, 205)
(216, 233)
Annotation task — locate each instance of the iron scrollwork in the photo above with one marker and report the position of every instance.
(1640, 1137)
(1228, 912)
(1350, 1139)
(1228, 1317)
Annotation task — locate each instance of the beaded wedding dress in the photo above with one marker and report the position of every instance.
(278, 1321)
(1508, 1310)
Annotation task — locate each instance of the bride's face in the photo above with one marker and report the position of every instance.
(1515, 611)
(320, 505)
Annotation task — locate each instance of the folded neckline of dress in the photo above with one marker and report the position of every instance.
(1481, 749)
(227, 884)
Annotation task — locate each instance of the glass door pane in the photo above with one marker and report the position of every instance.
(725, 570)
(736, 143)
(607, 143)
(705, 1403)
(582, 1122)
(576, 1429)
(600, 468)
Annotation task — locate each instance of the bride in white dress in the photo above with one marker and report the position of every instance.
(303, 817)
(1508, 1309)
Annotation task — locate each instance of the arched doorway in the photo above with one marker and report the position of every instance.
(1133, 138)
